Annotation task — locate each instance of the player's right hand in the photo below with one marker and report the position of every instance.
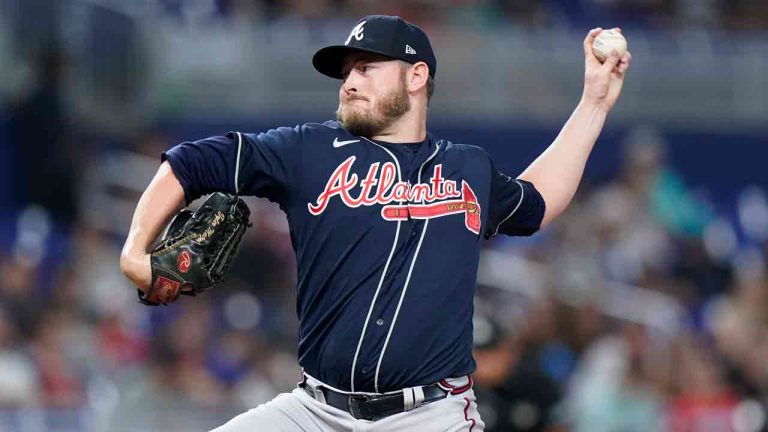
(603, 81)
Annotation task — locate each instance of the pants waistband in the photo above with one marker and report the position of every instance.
(372, 406)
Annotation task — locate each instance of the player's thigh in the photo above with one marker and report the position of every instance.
(285, 413)
(456, 413)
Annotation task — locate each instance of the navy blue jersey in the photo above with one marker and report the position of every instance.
(387, 241)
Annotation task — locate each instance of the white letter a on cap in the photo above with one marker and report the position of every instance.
(357, 33)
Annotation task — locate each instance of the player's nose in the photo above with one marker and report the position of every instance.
(348, 88)
(350, 84)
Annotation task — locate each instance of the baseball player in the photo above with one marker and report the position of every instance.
(386, 222)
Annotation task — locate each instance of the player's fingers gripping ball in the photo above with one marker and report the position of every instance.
(196, 249)
(608, 41)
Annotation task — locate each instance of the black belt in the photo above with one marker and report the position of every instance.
(373, 407)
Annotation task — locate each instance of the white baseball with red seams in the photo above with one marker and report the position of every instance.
(607, 41)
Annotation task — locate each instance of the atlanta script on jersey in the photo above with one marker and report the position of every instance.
(400, 199)
(387, 240)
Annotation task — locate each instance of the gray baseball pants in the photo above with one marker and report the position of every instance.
(299, 412)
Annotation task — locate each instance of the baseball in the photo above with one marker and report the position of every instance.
(607, 41)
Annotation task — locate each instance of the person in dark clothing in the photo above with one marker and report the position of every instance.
(38, 132)
(515, 394)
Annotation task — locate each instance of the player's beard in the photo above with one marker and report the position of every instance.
(369, 123)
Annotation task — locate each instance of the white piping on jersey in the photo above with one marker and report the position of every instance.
(407, 281)
(237, 162)
(522, 194)
(399, 303)
(381, 279)
(426, 161)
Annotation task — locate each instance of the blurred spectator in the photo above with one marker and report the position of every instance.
(61, 375)
(741, 15)
(229, 358)
(513, 393)
(614, 388)
(705, 400)
(186, 338)
(39, 135)
(18, 377)
(739, 322)
(17, 291)
(118, 346)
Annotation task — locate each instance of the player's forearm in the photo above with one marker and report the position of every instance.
(556, 173)
(163, 197)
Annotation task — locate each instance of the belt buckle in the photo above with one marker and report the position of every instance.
(354, 402)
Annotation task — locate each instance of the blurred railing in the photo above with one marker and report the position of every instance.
(520, 276)
(132, 64)
(699, 78)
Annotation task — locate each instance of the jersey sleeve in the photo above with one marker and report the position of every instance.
(517, 208)
(264, 164)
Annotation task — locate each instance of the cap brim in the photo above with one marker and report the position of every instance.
(329, 61)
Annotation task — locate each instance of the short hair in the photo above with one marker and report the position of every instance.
(430, 88)
(430, 81)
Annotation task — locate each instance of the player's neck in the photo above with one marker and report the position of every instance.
(410, 128)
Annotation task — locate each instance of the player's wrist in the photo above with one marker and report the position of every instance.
(594, 105)
(137, 268)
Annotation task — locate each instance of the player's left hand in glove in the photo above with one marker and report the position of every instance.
(196, 249)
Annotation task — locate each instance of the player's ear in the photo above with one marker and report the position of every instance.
(417, 76)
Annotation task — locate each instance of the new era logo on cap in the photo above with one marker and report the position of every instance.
(390, 36)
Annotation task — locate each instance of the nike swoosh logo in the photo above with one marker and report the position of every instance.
(337, 143)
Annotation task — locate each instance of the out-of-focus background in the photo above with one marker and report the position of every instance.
(644, 308)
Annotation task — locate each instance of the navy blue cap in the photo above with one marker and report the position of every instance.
(390, 36)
